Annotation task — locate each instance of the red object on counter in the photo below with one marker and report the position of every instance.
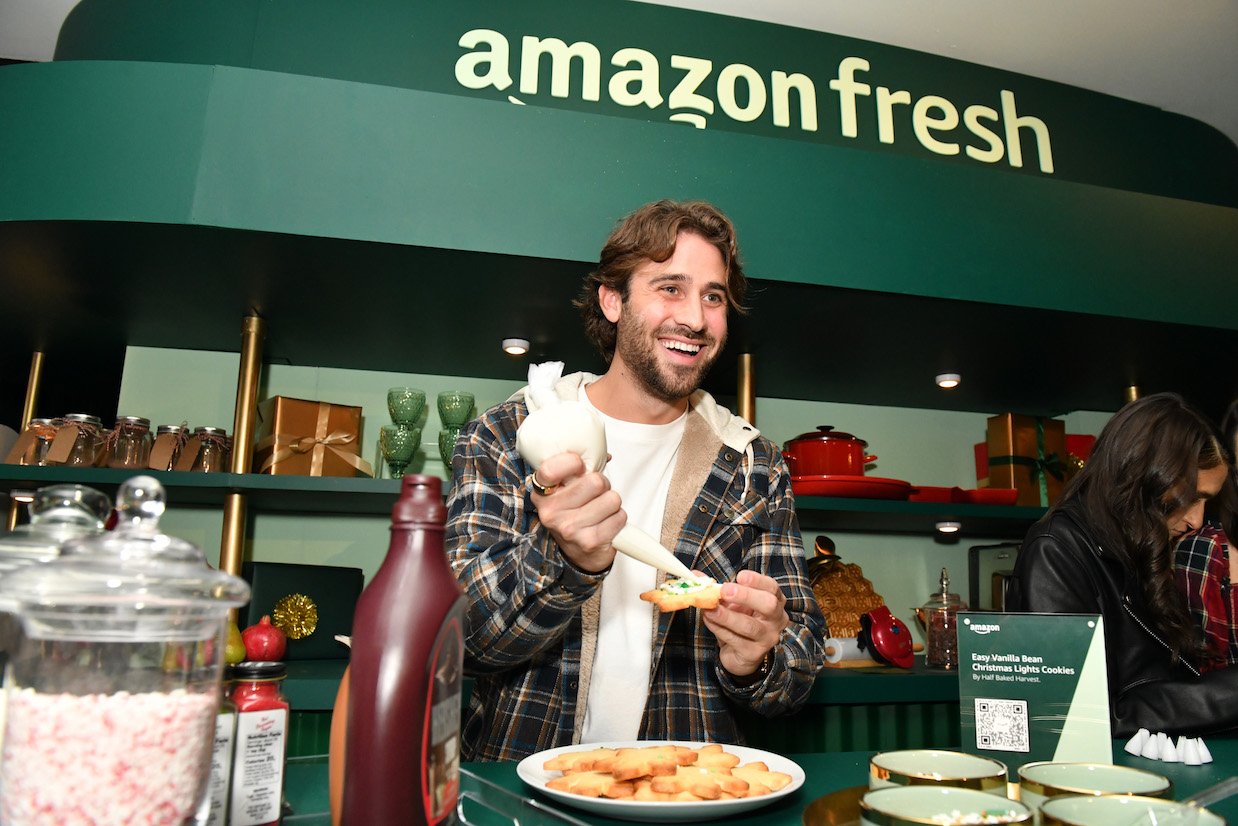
(406, 675)
(851, 487)
(263, 641)
(261, 743)
(1080, 445)
(826, 452)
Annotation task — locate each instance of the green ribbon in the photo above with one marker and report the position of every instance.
(1041, 467)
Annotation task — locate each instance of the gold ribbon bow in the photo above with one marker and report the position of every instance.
(316, 445)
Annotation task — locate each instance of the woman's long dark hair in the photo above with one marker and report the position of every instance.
(1144, 466)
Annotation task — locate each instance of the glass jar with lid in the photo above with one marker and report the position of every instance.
(939, 619)
(212, 450)
(116, 679)
(166, 449)
(41, 434)
(57, 514)
(128, 445)
(88, 446)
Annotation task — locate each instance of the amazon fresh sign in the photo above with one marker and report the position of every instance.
(858, 101)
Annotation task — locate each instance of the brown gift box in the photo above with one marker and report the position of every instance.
(303, 438)
(1029, 454)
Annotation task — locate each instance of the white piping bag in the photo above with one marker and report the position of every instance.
(557, 425)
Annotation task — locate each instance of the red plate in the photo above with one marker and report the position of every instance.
(855, 487)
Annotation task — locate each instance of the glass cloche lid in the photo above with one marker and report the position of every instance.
(132, 582)
(58, 513)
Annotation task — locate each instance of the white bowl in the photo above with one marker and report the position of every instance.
(939, 806)
(933, 767)
(1045, 779)
(1122, 810)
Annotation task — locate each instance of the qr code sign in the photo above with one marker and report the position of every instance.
(1001, 725)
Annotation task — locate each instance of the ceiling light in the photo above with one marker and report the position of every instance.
(516, 346)
(949, 527)
(25, 496)
(947, 381)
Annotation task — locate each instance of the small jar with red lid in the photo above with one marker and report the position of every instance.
(261, 743)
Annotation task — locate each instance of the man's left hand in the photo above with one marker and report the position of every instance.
(747, 622)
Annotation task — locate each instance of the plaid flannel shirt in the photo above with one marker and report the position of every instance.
(524, 633)
(1201, 566)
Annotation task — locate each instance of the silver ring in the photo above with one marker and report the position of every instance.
(538, 487)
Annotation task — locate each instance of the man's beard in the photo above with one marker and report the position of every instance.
(638, 346)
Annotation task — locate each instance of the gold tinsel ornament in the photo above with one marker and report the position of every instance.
(296, 615)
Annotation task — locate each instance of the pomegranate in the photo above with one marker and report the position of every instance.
(263, 641)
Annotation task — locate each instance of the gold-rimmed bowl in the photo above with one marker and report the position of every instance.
(1044, 779)
(938, 806)
(937, 767)
(1122, 810)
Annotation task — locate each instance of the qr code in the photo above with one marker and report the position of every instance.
(1001, 725)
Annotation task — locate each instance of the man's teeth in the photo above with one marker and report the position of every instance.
(683, 347)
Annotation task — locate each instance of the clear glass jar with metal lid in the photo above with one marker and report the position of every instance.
(169, 441)
(88, 446)
(116, 679)
(938, 617)
(212, 450)
(128, 445)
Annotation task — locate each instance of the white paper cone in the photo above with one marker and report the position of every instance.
(1135, 744)
(1205, 756)
(1190, 753)
(1152, 748)
(1169, 754)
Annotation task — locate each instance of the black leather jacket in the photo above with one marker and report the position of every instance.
(1060, 570)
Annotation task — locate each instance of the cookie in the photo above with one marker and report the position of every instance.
(649, 761)
(592, 784)
(760, 779)
(676, 594)
(714, 756)
(580, 761)
(703, 783)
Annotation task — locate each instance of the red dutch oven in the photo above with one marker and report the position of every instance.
(827, 452)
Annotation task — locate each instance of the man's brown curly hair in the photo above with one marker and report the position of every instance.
(649, 234)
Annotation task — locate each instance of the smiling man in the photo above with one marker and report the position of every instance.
(563, 649)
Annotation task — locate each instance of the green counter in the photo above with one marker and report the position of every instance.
(306, 787)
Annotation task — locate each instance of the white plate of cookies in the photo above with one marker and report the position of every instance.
(661, 781)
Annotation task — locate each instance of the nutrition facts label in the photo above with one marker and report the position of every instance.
(258, 771)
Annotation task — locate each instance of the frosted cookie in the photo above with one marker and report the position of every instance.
(675, 594)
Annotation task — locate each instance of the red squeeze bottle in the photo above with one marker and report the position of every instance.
(406, 669)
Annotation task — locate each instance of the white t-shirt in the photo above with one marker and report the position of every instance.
(640, 468)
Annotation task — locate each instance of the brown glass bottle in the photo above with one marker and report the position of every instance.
(402, 752)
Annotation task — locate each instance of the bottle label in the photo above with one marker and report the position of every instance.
(440, 751)
(215, 806)
(258, 775)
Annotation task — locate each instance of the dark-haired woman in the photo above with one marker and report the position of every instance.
(1106, 547)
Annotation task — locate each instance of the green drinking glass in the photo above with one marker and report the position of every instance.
(447, 444)
(398, 445)
(455, 407)
(406, 404)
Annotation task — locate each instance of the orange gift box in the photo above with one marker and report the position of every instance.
(304, 438)
(1027, 453)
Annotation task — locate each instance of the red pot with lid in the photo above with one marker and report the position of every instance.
(828, 452)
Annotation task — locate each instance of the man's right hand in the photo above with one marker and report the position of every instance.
(580, 510)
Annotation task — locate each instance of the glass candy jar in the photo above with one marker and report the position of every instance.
(939, 619)
(113, 690)
(129, 443)
(57, 514)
